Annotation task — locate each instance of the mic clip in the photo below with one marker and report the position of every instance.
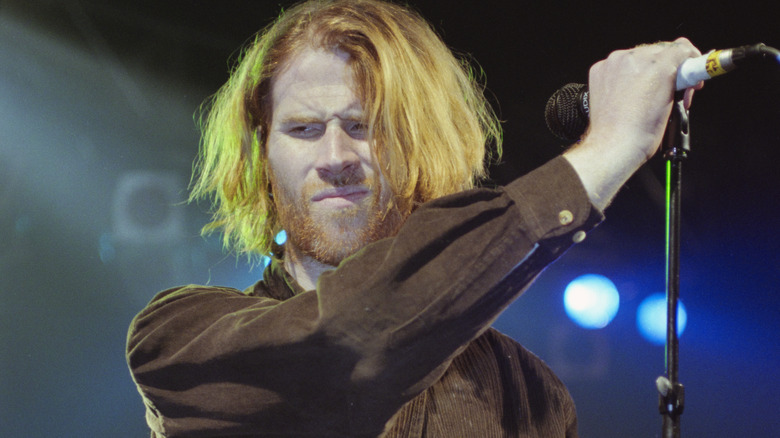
(671, 397)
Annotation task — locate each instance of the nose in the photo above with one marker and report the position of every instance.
(337, 159)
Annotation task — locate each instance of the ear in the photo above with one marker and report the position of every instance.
(268, 179)
(259, 136)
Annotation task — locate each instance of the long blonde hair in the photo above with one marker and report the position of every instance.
(428, 118)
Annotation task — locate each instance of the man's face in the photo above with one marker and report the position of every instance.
(332, 199)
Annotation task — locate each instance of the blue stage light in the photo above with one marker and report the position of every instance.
(281, 237)
(651, 318)
(591, 301)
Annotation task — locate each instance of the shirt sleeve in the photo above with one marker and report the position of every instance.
(342, 359)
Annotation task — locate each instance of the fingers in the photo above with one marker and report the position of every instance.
(660, 59)
(680, 50)
(693, 52)
(681, 44)
(686, 43)
(688, 95)
(688, 98)
(631, 92)
(669, 53)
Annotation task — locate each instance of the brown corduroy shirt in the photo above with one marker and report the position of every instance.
(395, 342)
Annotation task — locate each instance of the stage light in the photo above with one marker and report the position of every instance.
(147, 208)
(591, 301)
(281, 237)
(651, 318)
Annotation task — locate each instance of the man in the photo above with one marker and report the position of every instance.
(350, 125)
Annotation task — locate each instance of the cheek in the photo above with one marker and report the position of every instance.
(283, 157)
(282, 167)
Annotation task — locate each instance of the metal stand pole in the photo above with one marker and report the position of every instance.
(675, 149)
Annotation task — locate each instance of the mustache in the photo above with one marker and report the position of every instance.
(352, 179)
(341, 186)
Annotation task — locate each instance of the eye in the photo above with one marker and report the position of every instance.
(305, 130)
(357, 130)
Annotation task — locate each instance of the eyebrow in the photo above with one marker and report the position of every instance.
(348, 115)
(294, 120)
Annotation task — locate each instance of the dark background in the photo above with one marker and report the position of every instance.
(97, 139)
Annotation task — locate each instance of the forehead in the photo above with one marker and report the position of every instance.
(314, 78)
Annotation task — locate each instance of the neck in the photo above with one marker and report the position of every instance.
(304, 269)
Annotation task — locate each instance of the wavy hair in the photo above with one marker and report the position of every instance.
(427, 116)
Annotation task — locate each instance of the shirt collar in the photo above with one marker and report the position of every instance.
(276, 283)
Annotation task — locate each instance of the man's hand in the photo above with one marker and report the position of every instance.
(631, 95)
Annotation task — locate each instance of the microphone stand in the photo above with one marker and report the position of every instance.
(676, 145)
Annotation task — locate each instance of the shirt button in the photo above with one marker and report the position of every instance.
(578, 237)
(565, 217)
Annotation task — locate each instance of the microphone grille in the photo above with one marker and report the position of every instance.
(565, 116)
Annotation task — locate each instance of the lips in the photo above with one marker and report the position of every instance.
(351, 193)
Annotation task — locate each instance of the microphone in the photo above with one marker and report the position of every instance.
(568, 110)
(718, 62)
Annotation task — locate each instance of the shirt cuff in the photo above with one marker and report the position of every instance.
(555, 204)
